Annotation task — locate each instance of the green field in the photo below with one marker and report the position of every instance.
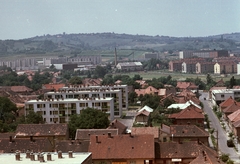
(178, 76)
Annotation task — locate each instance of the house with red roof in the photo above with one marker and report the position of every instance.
(189, 116)
(189, 132)
(233, 107)
(182, 85)
(234, 122)
(192, 152)
(122, 149)
(148, 90)
(52, 87)
(226, 103)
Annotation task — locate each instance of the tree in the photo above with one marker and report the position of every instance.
(232, 82)
(33, 118)
(132, 96)
(8, 112)
(100, 72)
(89, 118)
(75, 80)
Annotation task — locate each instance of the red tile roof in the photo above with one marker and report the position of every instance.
(235, 116)
(145, 130)
(24, 130)
(227, 102)
(23, 144)
(232, 107)
(122, 147)
(72, 145)
(148, 90)
(55, 87)
(190, 112)
(116, 124)
(84, 134)
(21, 89)
(187, 131)
(186, 85)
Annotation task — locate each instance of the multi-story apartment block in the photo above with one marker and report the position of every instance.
(187, 67)
(122, 88)
(185, 54)
(219, 96)
(21, 64)
(86, 59)
(211, 53)
(175, 66)
(60, 110)
(225, 67)
(204, 67)
(94, 93)
(203, 54)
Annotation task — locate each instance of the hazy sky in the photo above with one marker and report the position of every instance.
(28, 18)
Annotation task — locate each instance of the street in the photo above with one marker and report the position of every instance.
(222, 134)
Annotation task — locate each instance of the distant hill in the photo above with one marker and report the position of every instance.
(76, 43)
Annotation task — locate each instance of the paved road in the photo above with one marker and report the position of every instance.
(129, 119)
(222, 134)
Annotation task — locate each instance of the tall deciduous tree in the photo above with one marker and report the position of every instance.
(89, 118)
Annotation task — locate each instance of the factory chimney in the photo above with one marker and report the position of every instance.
(115, 56)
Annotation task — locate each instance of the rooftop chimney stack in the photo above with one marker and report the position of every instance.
(27, 154)
(10, 139)
(17, 156)
(32, 156)
(109, 135)
(59, 154)
(70, 154)
(49, 157)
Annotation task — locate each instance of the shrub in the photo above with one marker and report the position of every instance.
(224, 157)
(230, 143)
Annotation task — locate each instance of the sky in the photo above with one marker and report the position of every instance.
(21, 19)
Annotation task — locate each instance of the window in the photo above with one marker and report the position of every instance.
(82, 104)
(222, 96)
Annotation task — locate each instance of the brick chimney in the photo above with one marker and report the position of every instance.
(32, 156)
(27, 154)
(49, 157)
(17, 156)
(97, 139)
(59, 154)
(70, 154)
(109, 135)
(10, 139)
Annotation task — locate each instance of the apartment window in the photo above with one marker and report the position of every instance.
(82, 104)
(53, 105)
(44, 112)
(222, 96)
(50, 112)
(40, 105)
(50, 119)
(97, 104)
(132, 162)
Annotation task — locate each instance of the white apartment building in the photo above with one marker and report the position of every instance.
(123, 88)
(219, 96)
(94, 93)
(60, 110)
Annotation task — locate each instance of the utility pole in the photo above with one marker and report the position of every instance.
(217, 140)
